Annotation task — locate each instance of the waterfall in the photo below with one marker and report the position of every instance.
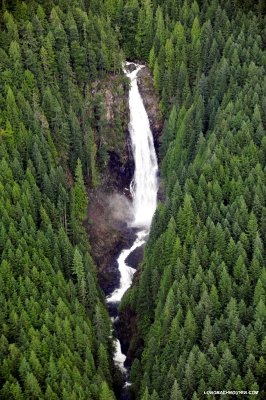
(143, 189)
(144, 184)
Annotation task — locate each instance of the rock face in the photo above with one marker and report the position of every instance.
(126, 330)
(151, 103)
(105, 226)
(108, 232)
(135, 257)
(130, 67)
(109, 204)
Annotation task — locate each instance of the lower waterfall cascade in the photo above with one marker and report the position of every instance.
(143, 188)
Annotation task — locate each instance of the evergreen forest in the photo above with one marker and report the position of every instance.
(199, 296)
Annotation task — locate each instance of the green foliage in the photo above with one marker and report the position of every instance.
(51, 52)
(106, 393)
(200, 299)
(78, 205)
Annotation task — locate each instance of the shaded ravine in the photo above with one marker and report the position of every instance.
(144, 187)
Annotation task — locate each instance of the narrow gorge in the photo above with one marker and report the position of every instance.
(120, 280)
(143, 190)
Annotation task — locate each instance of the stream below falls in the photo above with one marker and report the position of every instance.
(143, 188)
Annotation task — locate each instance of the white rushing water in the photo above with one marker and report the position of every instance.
(144, 187)
(126, 272)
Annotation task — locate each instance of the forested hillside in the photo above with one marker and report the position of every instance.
(54, 329)
(200, 296)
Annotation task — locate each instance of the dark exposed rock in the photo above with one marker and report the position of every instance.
(130, 67)
(109, 276)
(126, 324)
(109, 234)
(113, 309)
(108, 207)
(120, 174)
(135, 257)
(108, 231)
(126, 331)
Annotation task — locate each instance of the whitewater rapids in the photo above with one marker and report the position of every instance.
(144, 187)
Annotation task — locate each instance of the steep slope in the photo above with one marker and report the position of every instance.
(199, 299)
(54, 328)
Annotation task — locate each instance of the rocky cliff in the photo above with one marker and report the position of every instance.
(109, 205)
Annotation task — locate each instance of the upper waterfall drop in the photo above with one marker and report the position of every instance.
(144, 185)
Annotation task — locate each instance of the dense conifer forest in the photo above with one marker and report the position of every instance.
(199, 297)
(54, 327)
